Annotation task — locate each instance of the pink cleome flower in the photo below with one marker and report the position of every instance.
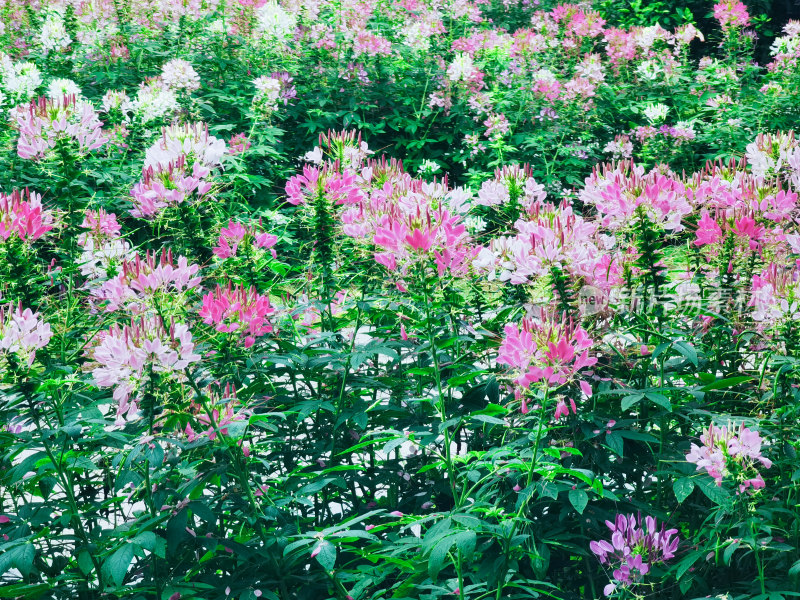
(22, 216)
(236, 309)
(22, 333)
(127, 358)
(730, 453)
(236, 234)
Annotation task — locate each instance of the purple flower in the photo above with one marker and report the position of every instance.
(633, 549)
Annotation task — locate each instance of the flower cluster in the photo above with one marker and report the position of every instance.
(730, 453)
(142, 280)
(22, 333)
(513, 187)
(550, 351)
(154, 101)
(731, 14)
(162, 187)
(45, 122)
(274, 23)
(22, 216)
(237, 234)
(619, 192)
(190, 141)
(223, 413)
(179, 74)
(18, 80)
(634, 548)
(130, 357)
(103, 249)
(54, 36)
(238, 310)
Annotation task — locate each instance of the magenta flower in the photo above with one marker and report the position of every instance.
(223, 413)
(238, 310)
(235, 234)
(22, 216)
(337, 187)
(141, 280)
(731, 14)
(44, 122)
(238, 144)
(101, 224)
(164, 186)
(547, 352)
(708, 231)
(552, 352)
(619, 191)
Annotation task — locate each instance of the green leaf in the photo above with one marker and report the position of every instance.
(683, 487)
(117, 564)
(687, 562)
(794, 570)
(687, 350)
(615, 442)
(728, 554)
(325, 554)
(146, 539)
(659, 399)
(488, 419)
(718, 495)
(23, 590)
(465, 542)
(579, 499)
(548, 489)
(630, 400)
(725, 383)
(22, 558)
(85, 562)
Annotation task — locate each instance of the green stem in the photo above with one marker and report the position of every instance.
(440, 404)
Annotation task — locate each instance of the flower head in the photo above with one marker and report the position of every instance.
(635, 546)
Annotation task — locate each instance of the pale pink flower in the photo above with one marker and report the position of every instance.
(124, 358)
(22, 333)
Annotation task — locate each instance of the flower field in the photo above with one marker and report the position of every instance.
(399, 299)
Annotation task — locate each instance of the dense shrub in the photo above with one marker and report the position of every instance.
(398, 299)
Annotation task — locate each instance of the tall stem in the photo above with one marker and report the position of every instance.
(437, 375)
